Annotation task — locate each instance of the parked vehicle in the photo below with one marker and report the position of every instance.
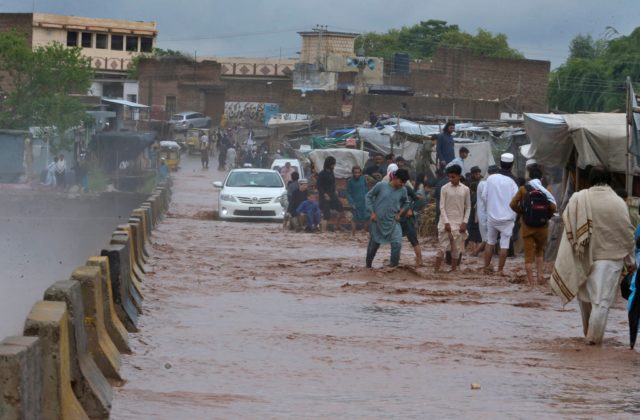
(251, 193)
(185, 120)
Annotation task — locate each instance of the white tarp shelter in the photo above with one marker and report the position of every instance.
(380, 137)
(598, 138)
(480, 154)
(345, 160)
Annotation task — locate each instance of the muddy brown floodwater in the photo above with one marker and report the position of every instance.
(243, 320)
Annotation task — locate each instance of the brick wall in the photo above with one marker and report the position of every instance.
(22, 22)
(330, 103)
(196, 86)
(422, 107)
(521, 85)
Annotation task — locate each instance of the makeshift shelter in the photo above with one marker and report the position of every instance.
(480, 154)
(113, 147)
(345, 160)
(502, 140)
(598, 139)
(573, 142)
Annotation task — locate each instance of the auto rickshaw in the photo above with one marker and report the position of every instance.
(192, 139)
(170, 152)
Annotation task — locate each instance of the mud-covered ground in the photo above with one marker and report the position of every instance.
(243, 320)
(44, 236)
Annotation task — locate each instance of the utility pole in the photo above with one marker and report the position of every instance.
(320, 58)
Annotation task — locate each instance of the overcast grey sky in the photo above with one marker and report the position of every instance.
(541, 29)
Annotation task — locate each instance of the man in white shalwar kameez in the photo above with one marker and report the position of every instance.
(597, 243)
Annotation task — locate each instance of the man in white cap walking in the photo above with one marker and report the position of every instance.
(498, 192)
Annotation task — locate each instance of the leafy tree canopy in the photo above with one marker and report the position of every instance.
(421, 41)
(157, 53)
(593, 77)
(40, 85)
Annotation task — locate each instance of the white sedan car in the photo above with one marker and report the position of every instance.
(251, 193)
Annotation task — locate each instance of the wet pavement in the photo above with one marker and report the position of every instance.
(243, 320)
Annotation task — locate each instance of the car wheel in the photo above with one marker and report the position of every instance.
(190, 126)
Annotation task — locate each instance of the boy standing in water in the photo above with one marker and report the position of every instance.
(455, 208)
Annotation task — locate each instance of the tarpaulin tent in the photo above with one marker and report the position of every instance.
(345, 160)
(480, 154)
(380, 138)
(597, 138)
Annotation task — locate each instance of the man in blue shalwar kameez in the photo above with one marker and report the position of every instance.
(385, 201)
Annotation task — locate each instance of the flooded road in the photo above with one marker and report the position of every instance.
(243, 320)
(44, 236)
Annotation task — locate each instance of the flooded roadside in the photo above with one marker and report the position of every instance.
(45, 236)
(245, 320)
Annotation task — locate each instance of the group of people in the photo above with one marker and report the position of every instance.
(599, 242)
(312, 211)
(488, 213)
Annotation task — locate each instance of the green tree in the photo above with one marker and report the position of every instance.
(156, 53)
(593, 77)
(483, 43)
(42, 86)
(422, 40)
(583, 46)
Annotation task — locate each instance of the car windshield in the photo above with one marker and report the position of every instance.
(177, 117)
(254, 179)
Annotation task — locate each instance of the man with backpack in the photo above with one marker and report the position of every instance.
(498, 192)
(536, 205)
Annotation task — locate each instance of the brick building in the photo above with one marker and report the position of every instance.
(177, 84)
(519, 85)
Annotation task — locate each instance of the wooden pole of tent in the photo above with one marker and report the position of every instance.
(629, 177)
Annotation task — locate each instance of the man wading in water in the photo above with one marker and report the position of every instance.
(385, 202)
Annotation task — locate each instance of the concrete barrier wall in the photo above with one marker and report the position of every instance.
(70, 354)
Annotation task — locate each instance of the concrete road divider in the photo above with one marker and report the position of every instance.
(49, 321)
(136, 265)
(149, 211)
(101, 347)
(164, 197)
(123, 238)
(89, 384)
(142, 215)
(137, 229)
(112, 323)
(21, 378)
(154, 199)
(118, 257)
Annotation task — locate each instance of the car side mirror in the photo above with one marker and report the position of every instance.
(217, 184)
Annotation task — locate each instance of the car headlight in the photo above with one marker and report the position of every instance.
(227, 197)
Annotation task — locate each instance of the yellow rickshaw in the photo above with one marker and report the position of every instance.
(192, 139)
(170, 152)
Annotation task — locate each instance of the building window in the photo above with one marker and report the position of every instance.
(87, 40)
(132, 43)
(102, 41)
(117, 42)
(72, 39)
(146, 44)
(170, 105)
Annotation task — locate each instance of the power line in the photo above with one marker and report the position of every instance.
(233, 35)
